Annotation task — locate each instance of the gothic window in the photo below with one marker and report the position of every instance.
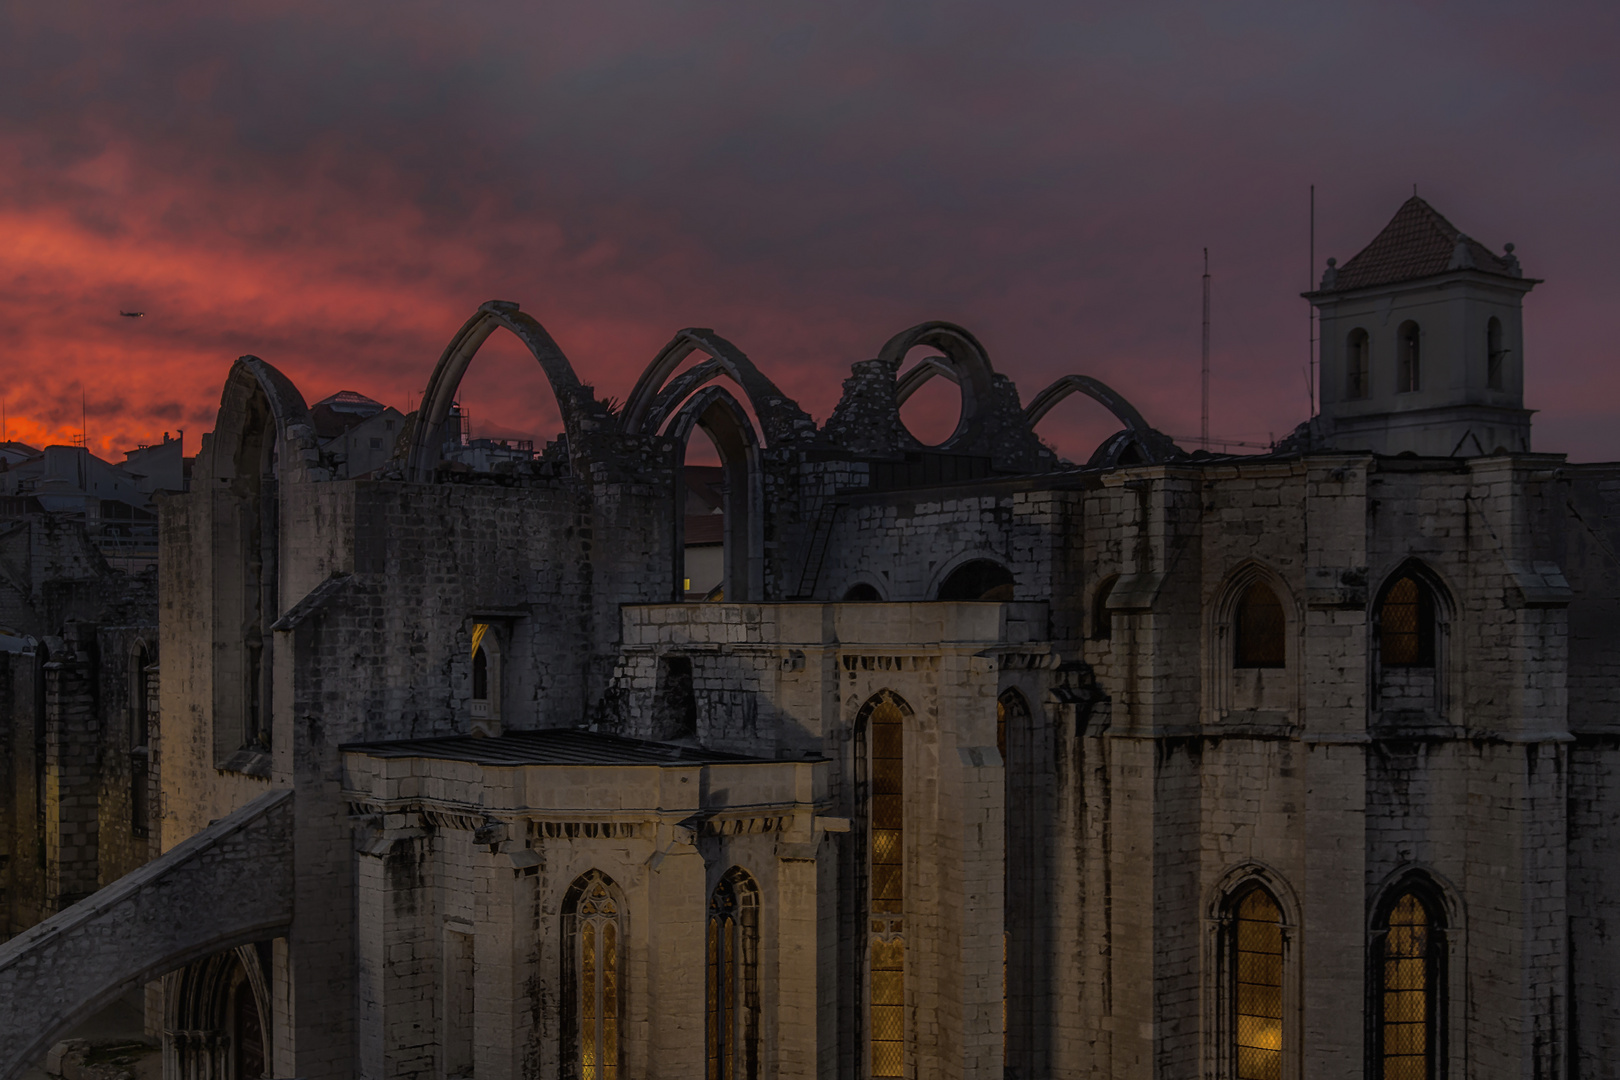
(886, 948)
(1257, 986)
(1408, 345)
(733, 972)
(1406, 625)
(1408, 989)
(592, 939)
(486, 674)
(1357, 365)
(1494, 354)
(1259, 629)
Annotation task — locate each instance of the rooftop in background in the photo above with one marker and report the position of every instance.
(334, 415)
(558, 747)
(1417, 243)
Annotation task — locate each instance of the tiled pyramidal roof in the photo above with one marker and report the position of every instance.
(1418, 242)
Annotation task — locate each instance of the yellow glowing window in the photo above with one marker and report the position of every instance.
(596, 938)
(732, 964)
(1257, 971)
(886, 961)
(1407, 1028)
(1406, 626)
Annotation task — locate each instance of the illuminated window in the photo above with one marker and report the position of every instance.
(1409, 348)
(1406, 625)
(886, 952)
(1357, 365)
(591, 925)
(1259, 629)
(733, 964)
(1257, 974)
(1408, 991)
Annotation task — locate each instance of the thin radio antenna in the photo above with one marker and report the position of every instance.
(1203, 429)
(1310, 315)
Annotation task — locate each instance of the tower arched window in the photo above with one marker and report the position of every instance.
(1494, 354)
(1357, 365)
(592, 980)
(1408, 988)
(1409, 358)
(883, 749)
(1259, 629)
(733, 978)
(1256, 991)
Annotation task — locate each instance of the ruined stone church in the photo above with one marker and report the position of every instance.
(973, 762)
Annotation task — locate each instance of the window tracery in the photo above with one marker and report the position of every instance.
(732, 978)
(593, 948)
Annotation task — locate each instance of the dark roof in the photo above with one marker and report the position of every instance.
(704, 529)
(556, 747)
(332, 416)
(1418, 242)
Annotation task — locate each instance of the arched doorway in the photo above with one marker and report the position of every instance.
(215, 1014)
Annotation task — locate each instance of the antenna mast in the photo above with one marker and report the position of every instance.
(1203, 430)
(1310, 315)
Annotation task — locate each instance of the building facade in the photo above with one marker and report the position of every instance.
(981, 764)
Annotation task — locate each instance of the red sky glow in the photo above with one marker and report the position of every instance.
(335, 188)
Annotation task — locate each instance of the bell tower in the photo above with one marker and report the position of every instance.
(1422, 343)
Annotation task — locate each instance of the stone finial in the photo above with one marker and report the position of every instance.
(1330, 276)
(1512, 261)
(1462, 256)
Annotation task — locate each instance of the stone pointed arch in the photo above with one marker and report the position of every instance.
(581, 413)
(722, 417)
(920, 373)
(259, 409)
(656, 395)
(964, 361)
(1097, 390)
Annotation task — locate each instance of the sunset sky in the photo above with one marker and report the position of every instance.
(336, 187)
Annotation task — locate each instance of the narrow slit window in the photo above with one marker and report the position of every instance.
(886, 956)
(1260, 629)
(1409, 346)
(1357, 365)
(1494, 354)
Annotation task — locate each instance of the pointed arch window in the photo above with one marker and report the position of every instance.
(1256, 992)
(1260, 629)
(1406, 625)
(1408, 988)
(884, 750)
(733, 978)
(592, 936)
